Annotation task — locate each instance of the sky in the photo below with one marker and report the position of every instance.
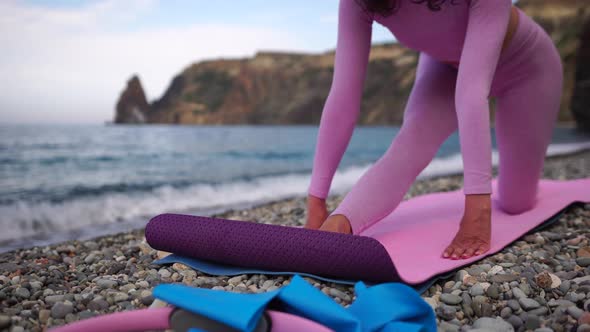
(67, 61)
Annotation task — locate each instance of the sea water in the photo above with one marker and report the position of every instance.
(61, 182)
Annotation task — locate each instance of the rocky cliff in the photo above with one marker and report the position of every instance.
(580, 102)
(290, 88)
(565, 20)
(274, 88)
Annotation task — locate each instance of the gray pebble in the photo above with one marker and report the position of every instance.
(486, 310)
(446, 312)
(506, 312)
(541, 311)
(85, 298)
(86, 314)
(126, 288)
(493, 324)
(164, 273)
(36, 285)
(71, 318)
(476, 290)
(22, 293)
(495, 270)
(235, 280)
(574, 297)
(460, 275)
(518, 293)
(61, 309)
(515, 321)
(98, 305)
(143, 284)
(26, 313)
(48, 292)
(583, 328)
(532, 322)
(466, 299)
(44, 315)
(560, 303)
(120, 297)
(583, 261)
(514, 305)
(565, 286)
(106, 283)
(91, 258)
(15, 280)
(4, 321)
(493, 291)
(53, 299)
(339, 294)
(528, 304)
(267, 284)
(146, 297)
(451, 299)
(447, 327)
(501, 278)
(575, 312)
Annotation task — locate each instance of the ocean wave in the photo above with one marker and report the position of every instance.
(43, 219)
(263, 155)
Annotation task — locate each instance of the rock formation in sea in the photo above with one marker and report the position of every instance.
(132, 106)
(291, 88)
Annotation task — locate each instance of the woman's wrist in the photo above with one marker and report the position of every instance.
(479, 202)
(314, 197)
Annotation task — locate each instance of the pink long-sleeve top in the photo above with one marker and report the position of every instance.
(470, 32)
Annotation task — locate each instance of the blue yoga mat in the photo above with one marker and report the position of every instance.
(226, 270)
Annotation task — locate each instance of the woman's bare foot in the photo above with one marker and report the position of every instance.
(337, 223)
(316, 212)
(475, 231)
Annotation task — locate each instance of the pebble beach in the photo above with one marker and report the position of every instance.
(539, 283)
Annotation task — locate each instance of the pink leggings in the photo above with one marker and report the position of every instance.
(527, 86)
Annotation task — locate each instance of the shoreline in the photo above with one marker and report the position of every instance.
(50, 285)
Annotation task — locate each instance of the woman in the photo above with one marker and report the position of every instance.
(469, 50)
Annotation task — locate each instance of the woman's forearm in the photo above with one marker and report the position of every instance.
(342, 106)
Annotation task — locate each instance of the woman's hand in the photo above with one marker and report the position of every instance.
(316, 212)
(475, 230)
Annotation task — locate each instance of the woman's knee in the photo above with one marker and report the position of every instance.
(514, 205)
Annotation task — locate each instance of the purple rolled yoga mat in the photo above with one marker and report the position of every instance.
(272, 247)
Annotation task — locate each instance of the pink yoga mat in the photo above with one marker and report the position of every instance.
(420, 229)
(404, 246)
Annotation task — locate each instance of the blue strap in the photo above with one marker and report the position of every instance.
(302, 299)
(385, 307)
(392, 307)
(240, 311)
